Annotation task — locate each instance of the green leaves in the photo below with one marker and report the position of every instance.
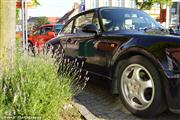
(40, 21)
(39, 86)
(35, 2)
(163, 2)
(147, 4)
(33, 88)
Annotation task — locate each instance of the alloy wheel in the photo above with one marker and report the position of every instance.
(137, 86)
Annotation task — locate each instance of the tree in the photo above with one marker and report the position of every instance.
(147, 4)
(35, 3)
(163, 2)
(7, 30)
(40, 21)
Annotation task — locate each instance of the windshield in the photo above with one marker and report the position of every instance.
(127, 19)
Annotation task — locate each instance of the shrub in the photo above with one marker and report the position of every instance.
(31, 87)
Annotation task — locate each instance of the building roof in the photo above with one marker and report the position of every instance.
(53, 19)
(66, 16)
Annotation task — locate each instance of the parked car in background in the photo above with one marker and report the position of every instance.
(44, 33)
(174, 30)
(130, 49)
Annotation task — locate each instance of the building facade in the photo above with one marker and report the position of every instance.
(175, 13)
(170, 16)
(89, 4)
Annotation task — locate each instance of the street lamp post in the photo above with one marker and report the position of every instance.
(24, 25)
(26, 31)
(22, 13)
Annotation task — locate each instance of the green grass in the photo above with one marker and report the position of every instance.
(31, 88)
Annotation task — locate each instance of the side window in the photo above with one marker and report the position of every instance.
(38, 32)
(42, 31)
(45, 30)
(68, 28)
(81, 21)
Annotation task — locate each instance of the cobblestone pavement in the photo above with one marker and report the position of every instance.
(102, 104)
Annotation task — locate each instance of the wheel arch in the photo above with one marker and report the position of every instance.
(127, 54)
(30, 42)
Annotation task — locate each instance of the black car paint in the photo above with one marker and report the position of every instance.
(161, 49)
(155, 49)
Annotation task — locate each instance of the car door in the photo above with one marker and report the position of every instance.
(65, 35)
(44, 36)
(84, 46)
(33, 37)
(77, 40)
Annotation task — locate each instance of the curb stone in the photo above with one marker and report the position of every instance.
(84, 111)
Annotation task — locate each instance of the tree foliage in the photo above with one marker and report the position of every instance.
(147, 4)
(163, 2)
(40, 21)
(17, 15)
(35, 3)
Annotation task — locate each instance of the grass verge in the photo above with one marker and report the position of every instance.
(32, 89)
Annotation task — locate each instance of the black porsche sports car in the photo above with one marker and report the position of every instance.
(131, 50)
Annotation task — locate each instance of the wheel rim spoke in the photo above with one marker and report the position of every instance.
(145, 85)
(131, 96)
(142, 99)
(127, 81)
(136, 75)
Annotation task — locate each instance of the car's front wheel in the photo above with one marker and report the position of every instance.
(140, 87)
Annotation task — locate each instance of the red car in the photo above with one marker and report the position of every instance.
(44, 33)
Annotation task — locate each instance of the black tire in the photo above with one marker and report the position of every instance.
(158, 104)
(31, 48)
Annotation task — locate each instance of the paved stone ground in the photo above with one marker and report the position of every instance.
(102, 104)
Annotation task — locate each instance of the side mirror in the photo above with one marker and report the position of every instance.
(50, 33)
(90, 28)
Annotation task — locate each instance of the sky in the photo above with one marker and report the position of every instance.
(51, 8)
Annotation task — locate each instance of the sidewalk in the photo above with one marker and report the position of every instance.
(97, 103)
